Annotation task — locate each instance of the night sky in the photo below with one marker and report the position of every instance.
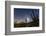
(20, 13)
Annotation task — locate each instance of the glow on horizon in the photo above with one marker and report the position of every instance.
(23, 20)
(28, 19)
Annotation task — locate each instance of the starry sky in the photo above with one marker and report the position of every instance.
(20, 13)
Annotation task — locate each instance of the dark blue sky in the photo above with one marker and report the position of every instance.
(21, 12)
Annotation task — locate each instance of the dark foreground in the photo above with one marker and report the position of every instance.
(30, 24)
